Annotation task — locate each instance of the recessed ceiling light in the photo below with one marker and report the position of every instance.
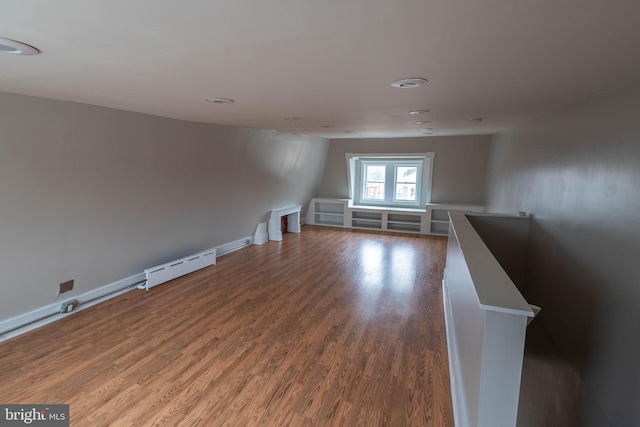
(476, 119)
(215, 100)
(326, 126)
(417, 112)
(290, 119)
(422, 122)
(348, 131)
(14, 47)
(408, 83)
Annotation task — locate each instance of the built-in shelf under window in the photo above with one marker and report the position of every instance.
(433, 219)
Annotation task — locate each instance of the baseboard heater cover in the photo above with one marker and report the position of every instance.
(174, 269)
(233, 246)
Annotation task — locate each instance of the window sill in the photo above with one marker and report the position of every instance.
(385, 208)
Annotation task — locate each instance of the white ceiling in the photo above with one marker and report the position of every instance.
(328, 62)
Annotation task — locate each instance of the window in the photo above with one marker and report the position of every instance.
(390, 180)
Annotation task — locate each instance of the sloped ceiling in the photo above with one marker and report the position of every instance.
(329, 62)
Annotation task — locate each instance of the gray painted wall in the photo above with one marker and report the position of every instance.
(578, 171)
(458, 172)
(506, 238)
(97, 195)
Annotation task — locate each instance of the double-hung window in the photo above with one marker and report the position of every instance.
(390, 180)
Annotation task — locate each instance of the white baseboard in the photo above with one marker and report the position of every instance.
(26, 322)
(20, 324)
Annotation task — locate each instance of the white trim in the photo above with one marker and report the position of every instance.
(351, 172)
(457, 399)
(427, 181)
(429, 154)
(20, 324)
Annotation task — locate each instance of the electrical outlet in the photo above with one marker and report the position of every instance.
(68, 306)
(66, 286)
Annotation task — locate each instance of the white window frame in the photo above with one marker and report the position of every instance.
(390, 182)
(355, 174)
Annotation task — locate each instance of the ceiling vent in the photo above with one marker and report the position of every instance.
(220, 100)
(14, 47)
(408, 83)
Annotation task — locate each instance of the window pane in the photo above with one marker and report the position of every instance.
(406, 192)
(374, 191)
(374, 182)
(406, 174)
(375, 173)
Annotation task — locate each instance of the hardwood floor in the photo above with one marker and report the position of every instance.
(327, 328)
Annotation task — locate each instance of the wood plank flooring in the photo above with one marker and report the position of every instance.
(329, 327)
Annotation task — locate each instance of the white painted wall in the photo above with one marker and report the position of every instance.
(458, 170)
(96, 195)
(578, 171)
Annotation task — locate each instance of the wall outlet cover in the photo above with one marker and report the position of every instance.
(68, 306)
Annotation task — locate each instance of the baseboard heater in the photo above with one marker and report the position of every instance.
(233, 246)
(174, 269)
